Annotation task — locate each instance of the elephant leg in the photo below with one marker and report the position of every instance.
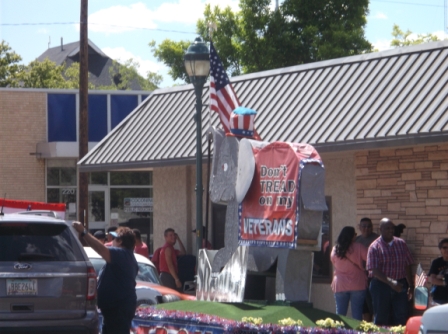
(293, 277)
(230, 238)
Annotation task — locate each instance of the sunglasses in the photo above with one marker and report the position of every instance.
(366, 226)
(446, 247)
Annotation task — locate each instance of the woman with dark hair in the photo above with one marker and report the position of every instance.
(116, 281)
(350, 279)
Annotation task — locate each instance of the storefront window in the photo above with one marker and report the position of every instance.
(61, 184)
(64, 195)
(128, 179)
(61, 176)
(132, 207)
(99, 178)
(124, 200)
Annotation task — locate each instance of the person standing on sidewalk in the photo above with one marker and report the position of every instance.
(389, 263)
(438, 275)
(350, 279)
(366, 237)
(117, 299)
(140, 246)
(169, 273)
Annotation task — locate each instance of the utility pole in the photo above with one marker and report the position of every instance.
(83, 178)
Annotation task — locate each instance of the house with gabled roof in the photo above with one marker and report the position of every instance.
(99, 64)
(378, 120)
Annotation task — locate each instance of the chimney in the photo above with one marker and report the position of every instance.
(62, 44)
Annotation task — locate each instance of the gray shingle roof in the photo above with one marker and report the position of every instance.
(394, 97)
(99, 62)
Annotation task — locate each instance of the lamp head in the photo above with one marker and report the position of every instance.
(197, 59)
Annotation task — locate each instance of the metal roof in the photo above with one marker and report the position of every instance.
(390, 98)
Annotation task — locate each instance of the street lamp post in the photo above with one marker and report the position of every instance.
(197, 64)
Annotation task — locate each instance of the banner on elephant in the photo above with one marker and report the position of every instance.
(268, 214)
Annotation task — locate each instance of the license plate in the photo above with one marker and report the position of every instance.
(21, 287)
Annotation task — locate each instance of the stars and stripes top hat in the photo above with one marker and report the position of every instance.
(242, 122)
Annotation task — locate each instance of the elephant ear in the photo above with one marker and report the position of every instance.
(218, 136)
(224, 169)
(246, 169)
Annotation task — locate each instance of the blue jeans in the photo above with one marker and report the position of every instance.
(390, 308)
(356, 298)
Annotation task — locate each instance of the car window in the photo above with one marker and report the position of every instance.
(23, 241)
(147, 273)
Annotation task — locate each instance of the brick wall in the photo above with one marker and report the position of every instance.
(23, 124)
(409, 186)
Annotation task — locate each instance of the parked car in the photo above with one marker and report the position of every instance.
(47, 213)
(47, 283)
(434, 320)
(147, 278)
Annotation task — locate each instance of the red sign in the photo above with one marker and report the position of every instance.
(268, 213)
(14, 206)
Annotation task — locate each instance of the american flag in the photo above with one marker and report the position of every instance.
(223, 99)
(420, 276)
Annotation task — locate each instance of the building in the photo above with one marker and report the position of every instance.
(379, 122)
(100, 65)
(39, 137)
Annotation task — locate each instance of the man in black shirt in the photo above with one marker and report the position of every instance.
(438, 274)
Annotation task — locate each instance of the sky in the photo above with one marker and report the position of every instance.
(123, 28)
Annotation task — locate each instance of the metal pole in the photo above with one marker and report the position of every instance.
(83, 191)
(198, 84)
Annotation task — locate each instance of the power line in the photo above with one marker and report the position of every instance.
(90, 23)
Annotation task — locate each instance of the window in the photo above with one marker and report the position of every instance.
(61, 184)
(322, 272)
(61, 176)
(127, 179)
(99, 178)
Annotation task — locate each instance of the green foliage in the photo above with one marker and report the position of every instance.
(366, 327)
(226, 39)
(256, 38)
(290, 322)
(45, 74)
(326, 29)
(329, 323)
(172, 55)
(401, 38)
(123, 76)
(9, 67)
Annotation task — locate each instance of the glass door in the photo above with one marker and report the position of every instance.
(98, 208)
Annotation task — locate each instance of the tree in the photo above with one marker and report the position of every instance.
(46, 74)
(226, 39)
(172, 55)
(124, 76)
(257, 38)
(402, 38)
(9, 65)
(326, 29)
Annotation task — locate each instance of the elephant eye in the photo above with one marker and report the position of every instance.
(225, 167)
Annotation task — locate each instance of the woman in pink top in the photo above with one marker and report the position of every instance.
(350, 279)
